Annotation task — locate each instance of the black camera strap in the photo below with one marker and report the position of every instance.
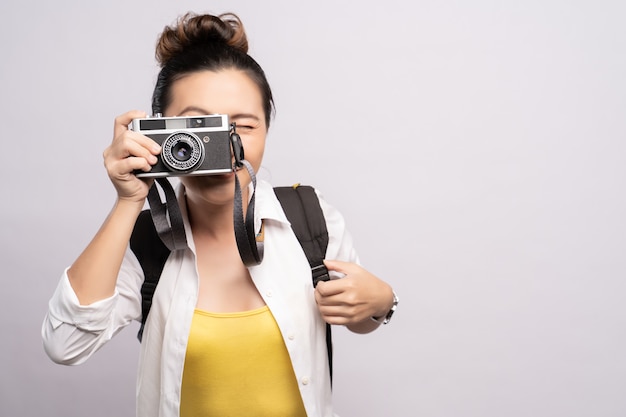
(168, 219)
(250, 249)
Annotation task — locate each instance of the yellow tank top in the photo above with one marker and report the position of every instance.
(237, 365)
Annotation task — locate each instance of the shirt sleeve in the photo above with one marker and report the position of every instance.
(340, 244)
(72, 332)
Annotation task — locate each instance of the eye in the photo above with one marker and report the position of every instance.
(244, 127)
(246, 122)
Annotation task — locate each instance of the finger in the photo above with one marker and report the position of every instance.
(337, 311)
(148, 143)
(327, 289)
(140, 145)
(120, 169)
(133, 144)
(338, 315)
(340, 266)
(123, 120)
(336, 320)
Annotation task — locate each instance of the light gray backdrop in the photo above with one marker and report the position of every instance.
(477, 150)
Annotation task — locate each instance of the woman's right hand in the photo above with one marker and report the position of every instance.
(128, 152)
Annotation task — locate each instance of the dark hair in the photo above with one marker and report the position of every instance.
(205, 42)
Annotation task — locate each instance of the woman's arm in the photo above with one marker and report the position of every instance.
(72, 332)
(359, 295)
(355, 299)
(94, 273)
(100, 293)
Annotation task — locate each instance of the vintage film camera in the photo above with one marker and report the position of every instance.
(190, 145)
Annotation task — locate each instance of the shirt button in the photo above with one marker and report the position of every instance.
(269, 293)
(305, 381)
(291, 336)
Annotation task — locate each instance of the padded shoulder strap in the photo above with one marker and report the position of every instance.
(152, 254)
(302, 207)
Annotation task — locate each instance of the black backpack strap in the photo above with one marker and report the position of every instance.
(152, 254)
(302, 207)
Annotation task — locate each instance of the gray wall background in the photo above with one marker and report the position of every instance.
(477, 150)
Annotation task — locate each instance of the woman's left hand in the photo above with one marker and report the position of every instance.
(354, 299)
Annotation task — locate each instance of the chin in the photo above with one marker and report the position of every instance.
(214, 182)
(190, 180)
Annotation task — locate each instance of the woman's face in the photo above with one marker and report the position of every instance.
(229, 92)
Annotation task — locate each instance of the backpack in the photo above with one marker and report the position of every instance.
(300, 204)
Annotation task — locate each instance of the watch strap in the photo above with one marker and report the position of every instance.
(387, 317)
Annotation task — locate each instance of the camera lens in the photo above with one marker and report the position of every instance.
(182, 152)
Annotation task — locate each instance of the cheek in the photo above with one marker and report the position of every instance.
(253, 148)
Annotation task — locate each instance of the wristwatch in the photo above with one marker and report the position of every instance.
(387, 317)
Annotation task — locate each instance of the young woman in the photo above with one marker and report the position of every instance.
(221, 339)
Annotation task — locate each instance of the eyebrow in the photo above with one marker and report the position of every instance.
(194, 109)
(204, 111)
(245, 116)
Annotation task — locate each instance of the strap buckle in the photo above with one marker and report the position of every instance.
(320, 273)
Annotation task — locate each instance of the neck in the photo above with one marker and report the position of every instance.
(210, 215)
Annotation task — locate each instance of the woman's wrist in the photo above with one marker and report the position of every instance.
(129, 205)
(385, 317)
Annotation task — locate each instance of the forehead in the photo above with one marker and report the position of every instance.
(228, 91)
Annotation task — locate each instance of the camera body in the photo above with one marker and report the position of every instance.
(190, 145)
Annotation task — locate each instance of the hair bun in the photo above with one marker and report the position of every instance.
(193, 30)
